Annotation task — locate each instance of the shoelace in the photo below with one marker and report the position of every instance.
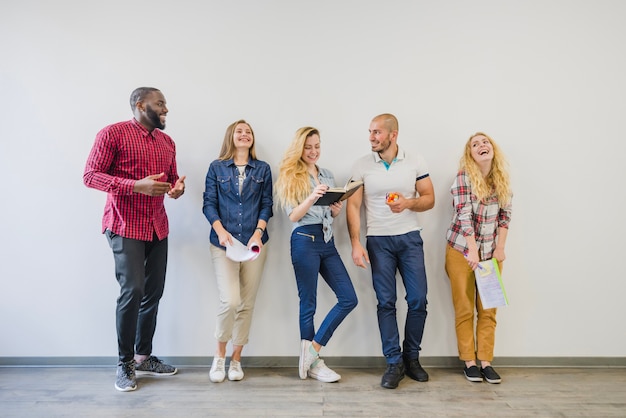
(220, 364)
(394, 368)
(128, 369)
(153, 361)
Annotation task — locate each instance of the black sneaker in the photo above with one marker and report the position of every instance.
(490, 375)
(472, 374)
(392, 376)
(415, 371)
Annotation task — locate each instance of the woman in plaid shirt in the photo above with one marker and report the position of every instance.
(481, 195)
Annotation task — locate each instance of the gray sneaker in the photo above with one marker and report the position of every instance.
(155, 367)
(125, 378)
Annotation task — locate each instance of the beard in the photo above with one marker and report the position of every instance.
(154, 118)
(382, 146)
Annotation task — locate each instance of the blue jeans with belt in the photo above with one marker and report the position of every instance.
(405, 254)
(310, 255)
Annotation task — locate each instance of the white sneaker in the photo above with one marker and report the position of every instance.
(321, 372)
(306, 358)
(234, 370)
(218, 370)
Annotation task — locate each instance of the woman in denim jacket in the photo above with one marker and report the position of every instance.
(238, 205)
(300, 183)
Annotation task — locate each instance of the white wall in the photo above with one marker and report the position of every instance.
(545, 78)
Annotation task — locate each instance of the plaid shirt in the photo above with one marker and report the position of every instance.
(471, 217)
(122, 154)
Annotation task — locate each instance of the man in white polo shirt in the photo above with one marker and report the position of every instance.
(396, 186)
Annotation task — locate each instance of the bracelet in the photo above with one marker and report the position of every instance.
(260, 229)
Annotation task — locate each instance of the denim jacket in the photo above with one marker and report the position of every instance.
(238, 213)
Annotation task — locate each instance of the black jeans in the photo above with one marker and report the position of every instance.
(140, 270)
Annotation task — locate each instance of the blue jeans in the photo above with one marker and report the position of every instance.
(404, 253)
(310, 255)
(140, 270)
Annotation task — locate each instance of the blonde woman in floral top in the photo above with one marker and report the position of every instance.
(481, 195)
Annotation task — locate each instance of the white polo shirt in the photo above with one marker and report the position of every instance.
(378, 180)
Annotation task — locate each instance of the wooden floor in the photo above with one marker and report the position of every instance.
(269, 392)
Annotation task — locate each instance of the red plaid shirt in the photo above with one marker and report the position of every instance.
(122, 154)
(471, 217)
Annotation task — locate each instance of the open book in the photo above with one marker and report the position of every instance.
(336, 194)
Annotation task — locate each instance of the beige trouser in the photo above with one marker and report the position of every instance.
(237, 284)
(466, 301)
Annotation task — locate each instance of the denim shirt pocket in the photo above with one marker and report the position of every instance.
(224, 183)
(256, 184)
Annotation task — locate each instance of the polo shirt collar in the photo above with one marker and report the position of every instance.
(399, 157)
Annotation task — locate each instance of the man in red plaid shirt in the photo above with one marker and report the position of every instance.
(134, 162)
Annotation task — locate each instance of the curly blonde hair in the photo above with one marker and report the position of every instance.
(497, 181)
(293, 184)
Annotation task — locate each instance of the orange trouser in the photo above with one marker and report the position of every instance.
(466, 301)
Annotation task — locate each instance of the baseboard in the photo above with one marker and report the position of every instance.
(349, 362)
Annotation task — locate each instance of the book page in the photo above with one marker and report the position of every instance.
(489, 284)
(341, 189)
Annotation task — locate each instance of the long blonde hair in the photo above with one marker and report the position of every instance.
(228, 146)
(497, 181)
(293, 184)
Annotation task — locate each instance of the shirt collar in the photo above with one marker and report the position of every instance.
(231, 162)
(144, 131)
(399, 157)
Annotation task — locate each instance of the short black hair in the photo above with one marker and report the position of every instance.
(139, 94)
